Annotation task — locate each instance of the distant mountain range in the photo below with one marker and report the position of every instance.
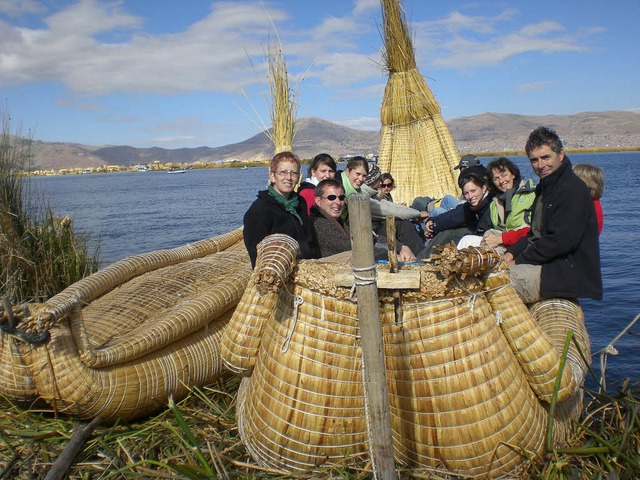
(488, 132)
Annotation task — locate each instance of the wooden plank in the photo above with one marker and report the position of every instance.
(375, 375)
(404, 279)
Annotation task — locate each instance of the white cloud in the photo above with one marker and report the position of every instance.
(535, 86)
(464, 41)
(17, 8)
(364, 7)
(211, 55)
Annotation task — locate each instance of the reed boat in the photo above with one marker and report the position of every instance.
(118, 343)
(471, 371)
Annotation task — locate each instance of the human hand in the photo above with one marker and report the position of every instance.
(508, 257)
(428, 227)
(406, 255)
(492, 240)
(424, 215)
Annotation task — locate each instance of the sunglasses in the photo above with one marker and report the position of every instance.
(331, 198)
(386, 185)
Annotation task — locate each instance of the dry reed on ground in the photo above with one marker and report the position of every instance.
(416, 145)
(198, 439)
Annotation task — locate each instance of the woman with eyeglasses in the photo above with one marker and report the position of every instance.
(322, 166)
(279, 209)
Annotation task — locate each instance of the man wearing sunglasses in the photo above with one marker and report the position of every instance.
(332, 231)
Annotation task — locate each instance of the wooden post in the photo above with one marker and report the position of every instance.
(375, 378)
(79, 438)
(390, 226)
(393, 263)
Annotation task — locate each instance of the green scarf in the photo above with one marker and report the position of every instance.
(290, 205)
(348, 188)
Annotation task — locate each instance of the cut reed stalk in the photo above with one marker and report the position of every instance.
(283, 106)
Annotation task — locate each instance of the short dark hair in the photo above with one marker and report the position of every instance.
(321, 159)
(387, 176)
(501, 164)
(358, 161)
(543, 136)
(474, 177)
(327, 182)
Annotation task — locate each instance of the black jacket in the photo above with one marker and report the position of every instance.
(568, 248)
(266, 216)
(333, 234)
(478, 221)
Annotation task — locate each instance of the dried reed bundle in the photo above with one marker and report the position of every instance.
(283, 106)
(91, 287)
(241, 340)
(416, 146)
(466, 364)
(538, 355)
(556, 317)
(125, 352)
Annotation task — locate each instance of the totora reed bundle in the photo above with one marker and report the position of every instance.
(470, 371)
(283, 108)
(416, 146)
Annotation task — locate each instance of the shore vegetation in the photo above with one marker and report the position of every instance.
(40, 253)
(197, 439)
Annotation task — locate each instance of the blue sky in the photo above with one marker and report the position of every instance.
(187, 73)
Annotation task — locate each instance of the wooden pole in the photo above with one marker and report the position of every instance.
(375, 378)
(390, 226)
(81, 435)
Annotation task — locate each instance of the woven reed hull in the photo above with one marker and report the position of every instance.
(464, 391)
(129, 390)
(152, 334)
(15, 380)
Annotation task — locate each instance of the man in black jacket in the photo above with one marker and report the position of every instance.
(560, 257)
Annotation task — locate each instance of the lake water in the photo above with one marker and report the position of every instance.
(139, 212)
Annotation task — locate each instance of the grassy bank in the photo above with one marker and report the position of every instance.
(198, 439)
(40, 254)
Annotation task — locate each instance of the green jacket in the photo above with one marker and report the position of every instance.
(515, 209)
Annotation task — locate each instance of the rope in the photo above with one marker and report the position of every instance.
(297, 301)
(359, 280)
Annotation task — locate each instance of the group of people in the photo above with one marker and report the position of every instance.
(547, 233)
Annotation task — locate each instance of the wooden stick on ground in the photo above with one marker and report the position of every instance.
(81, 434)
(375, 378)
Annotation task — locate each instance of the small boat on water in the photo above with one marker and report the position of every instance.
(142, 168)
(176, 170)
(244, 167)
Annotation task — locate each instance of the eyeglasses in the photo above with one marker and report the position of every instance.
(386, 185)
(331, 198)
(287, 173)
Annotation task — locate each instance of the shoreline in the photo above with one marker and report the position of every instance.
(241, 165)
